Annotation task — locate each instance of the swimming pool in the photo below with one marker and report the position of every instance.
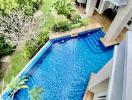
(63, 66)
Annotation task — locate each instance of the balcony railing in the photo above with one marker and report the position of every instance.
(119, 2)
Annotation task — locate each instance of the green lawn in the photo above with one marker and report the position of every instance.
(16, 65)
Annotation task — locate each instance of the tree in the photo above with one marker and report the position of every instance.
(64, 7)
(18, 27)
(5, 48)
(6, 6)
(15, 85)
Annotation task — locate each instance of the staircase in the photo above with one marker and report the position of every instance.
(93, 41)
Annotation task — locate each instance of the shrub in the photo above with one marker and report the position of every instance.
(42, 38)
(1, 72)
(84, 21)
(32, 46)
(30, 49)
(63, 7)
(75, 25)
(76, 19)
(5, 48)
(61, 26)
(6, 6)
(75, 22)
(36, 6)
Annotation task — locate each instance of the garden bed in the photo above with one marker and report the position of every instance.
(74, 31)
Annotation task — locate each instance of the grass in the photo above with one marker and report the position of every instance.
(16, 65)
(50, 19)
(47, 5)
(46, 9)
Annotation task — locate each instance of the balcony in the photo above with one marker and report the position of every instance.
(119, 2)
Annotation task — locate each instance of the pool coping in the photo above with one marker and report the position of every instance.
(75, 31)
(30, 64)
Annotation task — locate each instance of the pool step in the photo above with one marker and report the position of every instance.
(96, 37)
(93, 41)
(96, 41)
(93, 46)
(101, 33)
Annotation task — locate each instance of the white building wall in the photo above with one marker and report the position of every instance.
(101, 87)
(101, 76)
(120, 85)
(123, 16)
(127, 83)
(116, 80)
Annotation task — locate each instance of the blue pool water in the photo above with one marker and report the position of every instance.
(64, 69)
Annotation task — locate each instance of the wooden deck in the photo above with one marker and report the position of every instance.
(101, 19)
(105, 23)
(88, 96)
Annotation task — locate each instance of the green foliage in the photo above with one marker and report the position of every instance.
(6, 6)
(5, 48)
(85, 21)
(29, 6)
(1, 72)
(61, 26)
(33, 45)
(36, 6)
(17, 63)
(75, 25)
(75, 22)
(15, 85)
(30, 49)
(64, 7)
(2, 87)
(36, 93)
(42, 38)
(76, 19)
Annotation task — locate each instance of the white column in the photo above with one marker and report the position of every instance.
(124, 14)
(90, 6)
